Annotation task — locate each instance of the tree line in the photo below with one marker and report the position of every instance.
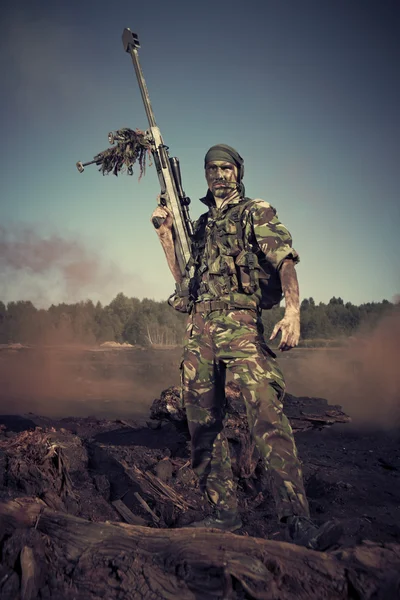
(148, 322)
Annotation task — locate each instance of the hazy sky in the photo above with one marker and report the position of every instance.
(307, 91)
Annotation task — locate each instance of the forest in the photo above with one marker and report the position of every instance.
(145, 322)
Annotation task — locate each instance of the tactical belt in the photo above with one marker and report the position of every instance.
(209, 305)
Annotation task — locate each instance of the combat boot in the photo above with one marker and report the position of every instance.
(223, 520)
(303, 532)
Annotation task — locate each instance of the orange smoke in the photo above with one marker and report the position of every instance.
(363, 376)
(42, 263)
(76, 382)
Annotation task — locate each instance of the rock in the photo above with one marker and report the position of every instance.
(164, 470)
(102, 485)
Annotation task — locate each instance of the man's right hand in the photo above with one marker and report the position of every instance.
(166, 228)
(164, 233)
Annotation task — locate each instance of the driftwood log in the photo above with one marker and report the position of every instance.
(62, 556)
(304, 413)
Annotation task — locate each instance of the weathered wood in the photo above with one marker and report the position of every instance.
(146, 507)
(21, 512)
(28, 574)
(142, 562)
(127, 514)
(154, 487)
(303, 412)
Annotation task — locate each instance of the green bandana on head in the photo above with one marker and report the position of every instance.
(226, 153)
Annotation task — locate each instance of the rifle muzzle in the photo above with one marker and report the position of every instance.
(81, 166)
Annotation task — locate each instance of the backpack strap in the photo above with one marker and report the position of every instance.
(236, 215)
(198, 239)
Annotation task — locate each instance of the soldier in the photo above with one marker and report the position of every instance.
(244, 260)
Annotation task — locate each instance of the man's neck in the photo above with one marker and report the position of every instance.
(220, 202)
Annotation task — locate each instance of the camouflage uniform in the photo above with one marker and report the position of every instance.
(225, 332)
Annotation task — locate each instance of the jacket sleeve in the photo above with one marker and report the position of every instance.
(270, 235)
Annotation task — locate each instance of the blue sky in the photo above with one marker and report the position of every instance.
(307, 91)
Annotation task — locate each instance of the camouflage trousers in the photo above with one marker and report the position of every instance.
(233, 340)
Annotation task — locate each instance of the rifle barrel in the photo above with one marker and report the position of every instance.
(131, 42)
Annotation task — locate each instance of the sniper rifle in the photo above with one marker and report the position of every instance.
(133, 146)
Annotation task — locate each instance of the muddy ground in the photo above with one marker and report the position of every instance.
(350, 476)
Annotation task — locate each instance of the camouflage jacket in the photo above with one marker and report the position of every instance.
(221, 258)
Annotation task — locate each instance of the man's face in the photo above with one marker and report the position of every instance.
(221, 177)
